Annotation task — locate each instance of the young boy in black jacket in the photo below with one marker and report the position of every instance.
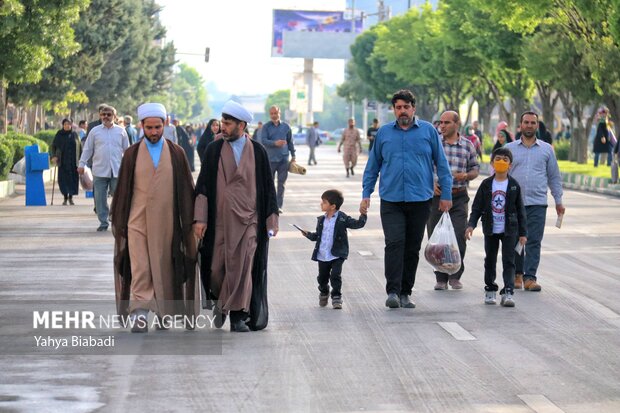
(499, 203)
(332, 245)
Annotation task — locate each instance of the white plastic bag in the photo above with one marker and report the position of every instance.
(442, 250)
(86, 179)
(20, 167)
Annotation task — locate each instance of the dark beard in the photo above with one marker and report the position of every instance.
(230, 138)
(150, 139)
(404, 121)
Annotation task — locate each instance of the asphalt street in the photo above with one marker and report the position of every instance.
(557, 351)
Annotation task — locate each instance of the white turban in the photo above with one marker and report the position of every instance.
(237, 111)
(151, 110)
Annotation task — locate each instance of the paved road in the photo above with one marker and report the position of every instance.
(557, 351)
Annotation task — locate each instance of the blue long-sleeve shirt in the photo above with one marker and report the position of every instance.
(405, 160)
(272, 133)
(536, 168)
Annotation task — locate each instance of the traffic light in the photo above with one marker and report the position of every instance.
(207, 55)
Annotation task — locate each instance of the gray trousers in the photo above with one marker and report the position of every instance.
(281, 167)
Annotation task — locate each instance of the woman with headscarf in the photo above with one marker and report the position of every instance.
(543, 133)
(602, 139)
(66, 150)
(502, 130)
(208, 136)
(471, 136)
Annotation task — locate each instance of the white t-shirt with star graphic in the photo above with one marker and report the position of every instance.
(498, 205)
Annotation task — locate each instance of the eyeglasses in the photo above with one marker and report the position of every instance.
(107, 114)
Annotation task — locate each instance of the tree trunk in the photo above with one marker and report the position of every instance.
(545, 93)
(3, 108)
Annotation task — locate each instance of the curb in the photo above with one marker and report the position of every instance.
(7, 188)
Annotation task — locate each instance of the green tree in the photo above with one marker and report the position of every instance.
(281, 99)
(30, 31)
(189, 100)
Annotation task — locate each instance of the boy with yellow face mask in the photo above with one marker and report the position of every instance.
(499, 203)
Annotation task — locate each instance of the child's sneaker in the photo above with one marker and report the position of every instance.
(323, 298)
(507, 300)
(337, 302)
(489, 297)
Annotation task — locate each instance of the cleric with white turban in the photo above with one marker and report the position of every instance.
(237, 111)
(151, 110)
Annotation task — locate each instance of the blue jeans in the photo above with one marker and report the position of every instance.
(281, 167)
(597, 155)
(536, 215)
(102, 186)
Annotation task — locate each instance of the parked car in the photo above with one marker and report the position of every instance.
(299, 135)
(337, 134)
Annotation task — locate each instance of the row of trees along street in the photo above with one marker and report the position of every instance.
(501, 53)
(68, 56)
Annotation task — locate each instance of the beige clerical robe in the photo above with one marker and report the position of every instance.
(352, 142)
(150, 232)
(235, 230)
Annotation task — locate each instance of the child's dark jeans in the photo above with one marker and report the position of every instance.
(491, 247)
(329, 272)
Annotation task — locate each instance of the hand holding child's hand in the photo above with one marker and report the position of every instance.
(468, 233)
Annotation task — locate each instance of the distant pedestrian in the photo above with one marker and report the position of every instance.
(313, 140)
(105, 145)
(476, 125)
(132, 132)
(602, 139)
(470, 135)
(405, 154)
(535, 167)
(502, 129)
(258, 132)
(185, 143)
(352, 142)
(543, 133)
(170, 131)
(500, 204)
(332, 245)
(501, 140)
(371, 133)
(66, 150)
(278, 141)
(464, 166)
(208, 136)
(82, 131)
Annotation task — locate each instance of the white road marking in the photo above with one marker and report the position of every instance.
(539, 403)
(456, 331)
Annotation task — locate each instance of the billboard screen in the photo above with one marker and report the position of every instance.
(317, 25)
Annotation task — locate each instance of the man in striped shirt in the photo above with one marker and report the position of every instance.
(464, 166)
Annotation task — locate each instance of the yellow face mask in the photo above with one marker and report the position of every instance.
(501, 166)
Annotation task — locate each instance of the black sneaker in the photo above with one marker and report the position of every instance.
(239, 326)
(102, 228)
(392, 301)
(405, 302)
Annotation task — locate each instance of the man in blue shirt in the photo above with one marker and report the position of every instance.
(536, 168)
(277, 139)
(405, 154)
